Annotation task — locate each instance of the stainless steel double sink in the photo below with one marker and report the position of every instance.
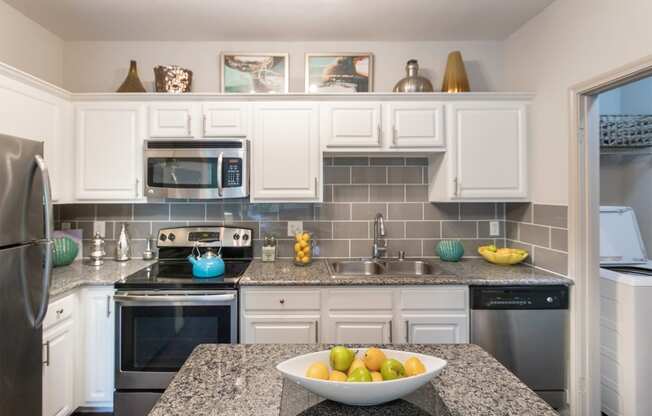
(380, 267)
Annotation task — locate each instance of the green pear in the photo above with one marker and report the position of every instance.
(341, 358)
(392, 369)
(360, 374)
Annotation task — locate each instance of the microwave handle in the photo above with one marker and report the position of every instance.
(219, 174)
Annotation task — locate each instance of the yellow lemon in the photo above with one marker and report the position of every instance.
(376, 376)
(374, 358)
(305, 237)
(357, 363)
(298, 236)
(297, 258)
(318, 370)
(337, 376)
(305, 259)
(303, 244)
(414, 366)
(306, 250)
(297, 247)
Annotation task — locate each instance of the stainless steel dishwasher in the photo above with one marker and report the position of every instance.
(524, 327)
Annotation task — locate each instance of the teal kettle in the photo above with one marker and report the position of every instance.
(206, 266)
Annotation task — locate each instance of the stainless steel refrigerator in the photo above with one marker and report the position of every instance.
(25, 270)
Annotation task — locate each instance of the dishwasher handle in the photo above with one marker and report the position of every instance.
(519, 297)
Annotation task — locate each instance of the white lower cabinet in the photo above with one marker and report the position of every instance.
(59, 358)
(97, 341)
(356, 315)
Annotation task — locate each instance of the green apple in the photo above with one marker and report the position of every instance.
(341, 358)
(360, 374)
(392, 369)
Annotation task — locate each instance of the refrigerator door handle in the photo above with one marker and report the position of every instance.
(49, 225)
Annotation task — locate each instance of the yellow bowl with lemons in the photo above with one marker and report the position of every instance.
(502, 256)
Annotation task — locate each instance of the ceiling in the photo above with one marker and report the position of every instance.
(282, 20)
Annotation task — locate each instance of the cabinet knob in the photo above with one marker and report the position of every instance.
(59, 312)
(281, 301)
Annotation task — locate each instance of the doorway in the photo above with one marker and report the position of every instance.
(584, 232)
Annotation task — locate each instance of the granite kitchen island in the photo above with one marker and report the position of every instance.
(241, 380)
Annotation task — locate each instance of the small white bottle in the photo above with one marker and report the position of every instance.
(269, 249)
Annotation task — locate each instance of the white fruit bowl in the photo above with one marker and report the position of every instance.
(360, 393)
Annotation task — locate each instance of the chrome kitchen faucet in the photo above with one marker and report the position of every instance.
(380, 244)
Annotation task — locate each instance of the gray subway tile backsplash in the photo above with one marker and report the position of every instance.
(538, 235)
(343, 224)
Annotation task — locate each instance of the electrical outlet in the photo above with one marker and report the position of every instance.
(99, 227)
(294, 227)
(65, 225)
(494, 228)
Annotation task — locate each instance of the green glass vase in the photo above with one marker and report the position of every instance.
(64, 251)
(450, 250)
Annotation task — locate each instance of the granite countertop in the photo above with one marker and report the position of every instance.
(238, 380)
(79, 273)
(464, 272)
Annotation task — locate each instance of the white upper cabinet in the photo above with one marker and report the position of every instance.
(486, 157)
(286, 162)
(109, 151)
(416, 125)
(171, 120)
(225, 119)
(349, 125)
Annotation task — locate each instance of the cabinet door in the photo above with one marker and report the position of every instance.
(225, 119)
(109, 152)
(98, 339)
(418, 125)
(360, 329)
(436, 329)
(351, 125)
(58, 370)
(489, 155)
(287, 165)
(281, 329)
(170, 120)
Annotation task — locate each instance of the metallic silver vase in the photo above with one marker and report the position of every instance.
(123, 245)
(413, 82)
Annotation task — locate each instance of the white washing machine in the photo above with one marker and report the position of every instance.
(625, 315)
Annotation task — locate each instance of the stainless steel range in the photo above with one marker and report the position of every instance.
(163, 313)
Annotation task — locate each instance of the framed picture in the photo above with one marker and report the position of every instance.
(339, 72)
(254, 73)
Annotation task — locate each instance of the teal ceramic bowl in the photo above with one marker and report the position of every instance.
(64, 251)
(450, 250)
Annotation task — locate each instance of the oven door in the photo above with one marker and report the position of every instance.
(196, 169)
(157, 331)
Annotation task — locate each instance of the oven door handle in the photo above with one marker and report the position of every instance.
(174, 298)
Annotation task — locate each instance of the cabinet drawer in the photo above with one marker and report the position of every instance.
(359, 299)
(282, 300)
(441, 298)
(59, 311)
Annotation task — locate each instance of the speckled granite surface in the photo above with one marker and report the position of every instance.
(239, 380)
(465, 272)
(67, 278)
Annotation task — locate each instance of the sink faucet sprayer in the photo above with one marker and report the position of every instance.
(380, 245)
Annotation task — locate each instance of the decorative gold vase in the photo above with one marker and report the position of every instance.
(132, 82)
(455, 78)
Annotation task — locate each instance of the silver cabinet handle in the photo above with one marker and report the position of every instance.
(455, 186)
(316, 332)
(173, 298)
(189, 126)
(137, 188)
(282, 301)
(407, 332)
(59, 312)
(391, 335)
(47, 354)
(108, 306)
(394, 134)
(316, 186)
(203, 123)
(220, 159)
(379, 131)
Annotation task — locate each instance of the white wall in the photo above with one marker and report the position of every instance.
(102, 66)
(26, 45)
(570, 42)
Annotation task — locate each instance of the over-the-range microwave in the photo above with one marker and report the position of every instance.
(196, 168)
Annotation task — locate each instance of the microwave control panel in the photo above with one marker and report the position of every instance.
(232, 172)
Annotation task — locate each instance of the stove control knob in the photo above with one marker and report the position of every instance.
(163, 237)
(245, 237)
(171, 237)
(549, 299)
(236, 236)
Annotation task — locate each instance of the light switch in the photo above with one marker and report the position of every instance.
(294, 227)
(494, 228)
(65, 225)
